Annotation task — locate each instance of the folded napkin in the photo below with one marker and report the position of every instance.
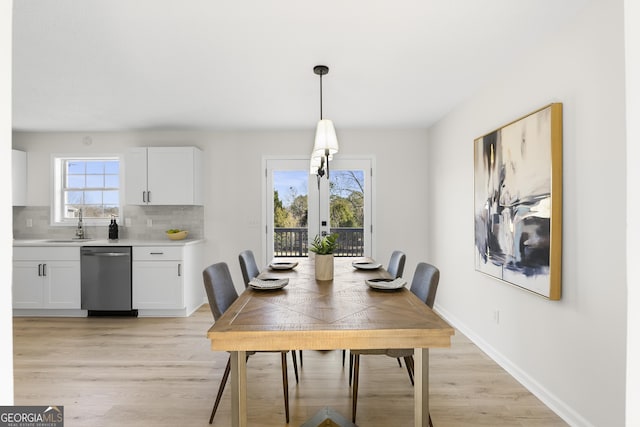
(268, 283)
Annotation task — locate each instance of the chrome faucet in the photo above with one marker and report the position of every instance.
(80, 227)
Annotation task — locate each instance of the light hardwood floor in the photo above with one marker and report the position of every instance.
(161, 372)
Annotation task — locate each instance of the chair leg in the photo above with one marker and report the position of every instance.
(350, 367)
(223, 382)
(344, 353)
(408, 361)
(430, 423)
(285, 385)
(354, 397)
(399, 362)
(301, 362)
(295, 364)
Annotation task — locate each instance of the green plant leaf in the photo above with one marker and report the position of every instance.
(324, 245)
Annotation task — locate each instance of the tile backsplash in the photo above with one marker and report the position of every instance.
(146, 223)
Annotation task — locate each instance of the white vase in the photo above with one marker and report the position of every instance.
(324, 267)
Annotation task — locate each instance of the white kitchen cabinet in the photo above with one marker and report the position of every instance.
(164, 176)
(167, 280)
(46, 278)
(19, 177)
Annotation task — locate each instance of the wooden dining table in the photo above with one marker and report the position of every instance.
(343, 313)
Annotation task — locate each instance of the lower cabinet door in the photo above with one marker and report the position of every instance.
(62, 284)
(28, 285)
(157, 285)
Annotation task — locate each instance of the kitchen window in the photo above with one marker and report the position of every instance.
(88, 183)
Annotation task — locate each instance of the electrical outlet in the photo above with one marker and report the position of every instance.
(149, 222)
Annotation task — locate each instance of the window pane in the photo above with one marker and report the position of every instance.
(346, 209)
(112, 167)
(93, 197)
(290, 205)
(75, 167)
(111, 210)
(75, 181)
(74, 197)
(95, 167)
(95, 181)
(112, 181)
(111, 197)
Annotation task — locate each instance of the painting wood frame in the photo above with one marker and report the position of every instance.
(518, 202)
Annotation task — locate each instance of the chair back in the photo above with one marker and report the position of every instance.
(219, 286)
(425, 283)
(396, 264)
(248, 266)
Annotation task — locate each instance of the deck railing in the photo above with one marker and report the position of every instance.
(293, 242)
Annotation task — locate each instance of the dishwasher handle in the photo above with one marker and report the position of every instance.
(106, 254)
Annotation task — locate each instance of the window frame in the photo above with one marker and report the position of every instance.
(367, 163)
(58, 161)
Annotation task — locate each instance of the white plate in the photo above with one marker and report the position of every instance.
(269, 283)
(365, 265)
(387, 284)
(282, 265)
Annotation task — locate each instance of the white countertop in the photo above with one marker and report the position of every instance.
(104, 242)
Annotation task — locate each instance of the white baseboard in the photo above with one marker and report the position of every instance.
(564, 411)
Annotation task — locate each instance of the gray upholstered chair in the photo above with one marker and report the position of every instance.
(248, 266)
(396, 264)
(424, 285)
(221, 293)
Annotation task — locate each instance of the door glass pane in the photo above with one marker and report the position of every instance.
(290, 213)
(346, 210)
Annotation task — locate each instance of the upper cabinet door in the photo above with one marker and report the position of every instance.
(135, 167)
(164, 176)
(170, 175)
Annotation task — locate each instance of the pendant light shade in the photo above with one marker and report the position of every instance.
(325, 139)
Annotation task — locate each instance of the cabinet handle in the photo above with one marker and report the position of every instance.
(156, 253)
(44, 270)
(148, 196)
(179, 270)
(39, 270)
(144, 197)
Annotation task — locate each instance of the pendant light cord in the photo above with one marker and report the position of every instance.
(320, 96)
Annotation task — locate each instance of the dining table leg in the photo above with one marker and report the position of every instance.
(421, 387)
(238, 389)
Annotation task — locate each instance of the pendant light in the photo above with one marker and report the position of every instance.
(326, 142)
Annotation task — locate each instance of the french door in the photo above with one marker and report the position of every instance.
(299, 206)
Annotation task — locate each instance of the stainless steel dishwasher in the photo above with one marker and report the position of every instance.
(105, 277)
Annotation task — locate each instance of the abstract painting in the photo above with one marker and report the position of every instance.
(518, 202)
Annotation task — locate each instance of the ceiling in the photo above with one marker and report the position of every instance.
(114, 65)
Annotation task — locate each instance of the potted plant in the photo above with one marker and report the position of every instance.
(323, 247)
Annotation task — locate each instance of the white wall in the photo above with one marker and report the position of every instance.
(6, 324)
(571, 353)
(632, 38)
(233, 179)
